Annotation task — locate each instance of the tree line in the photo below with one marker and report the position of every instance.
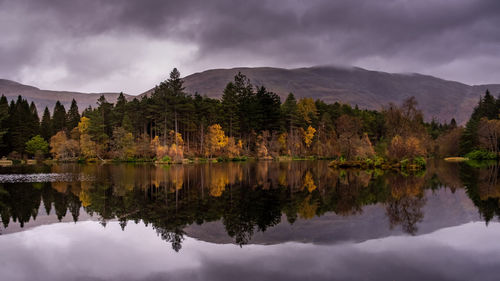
(170, 125)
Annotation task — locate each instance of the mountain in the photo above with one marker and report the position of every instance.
(43, 98)
(443, 208)
(438, 98)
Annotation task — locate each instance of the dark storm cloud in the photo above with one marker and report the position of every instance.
(81, 41)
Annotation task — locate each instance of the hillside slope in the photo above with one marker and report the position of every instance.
(43, 98)
(438, 98)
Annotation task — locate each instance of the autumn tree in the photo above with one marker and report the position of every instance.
(63, 148)
(215, 139)
(488, 133)
(308, 136)
(409, 148)
(348, 130)
(306, 108)
(405, 120)
(87, 145)
(447, 144)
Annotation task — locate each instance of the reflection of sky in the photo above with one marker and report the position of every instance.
(87, 251)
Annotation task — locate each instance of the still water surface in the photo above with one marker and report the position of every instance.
(248, 221)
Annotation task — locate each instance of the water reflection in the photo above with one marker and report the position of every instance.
(86, 251)
(246, 198)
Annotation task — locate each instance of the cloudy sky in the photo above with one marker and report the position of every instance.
(130, 45)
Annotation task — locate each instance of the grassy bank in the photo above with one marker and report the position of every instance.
(416, 164)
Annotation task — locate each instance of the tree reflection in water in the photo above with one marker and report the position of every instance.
(246, 197)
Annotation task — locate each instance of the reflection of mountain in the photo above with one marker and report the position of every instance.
(44, 219)
(254, 202)
(443, 209)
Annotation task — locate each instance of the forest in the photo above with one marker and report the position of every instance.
(247, 121)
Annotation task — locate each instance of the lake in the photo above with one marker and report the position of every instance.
(298, 220)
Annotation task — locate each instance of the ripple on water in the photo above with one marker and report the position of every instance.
(44, 177)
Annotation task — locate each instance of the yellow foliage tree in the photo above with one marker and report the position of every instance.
(309, 182)
(83, 125)
(233, 149)
(87, 146)
(177, 139)
(307, 109)
(215, 139)
(176, 152)
(282, 140)
(160, 150)
(308, 136)
(307, 209)
(85, 198)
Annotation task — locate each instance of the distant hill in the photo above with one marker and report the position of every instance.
(43, 98)
(438, 98)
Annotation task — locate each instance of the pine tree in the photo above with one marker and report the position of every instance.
(247, 104)
(46, 130)
(20, 124)
(487, 107)
(127, 123)
(175, 96)
(59, 117)
(119, 111)
(290, 113)
(230, 110)
(4, 115)
(73, 116)
(34, 120)
(268, 111)
(105, 110)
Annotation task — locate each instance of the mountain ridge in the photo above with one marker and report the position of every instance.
(438, 98)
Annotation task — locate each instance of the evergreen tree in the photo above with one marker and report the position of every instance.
(175, 96)
(4, 115)
(20, 125)
(247, 104)
(268, 110)
(160, 106)
(34, 120)
(97, 127)
(230, 110)
(59, 117)
(73, 116)
(105, 109)
(290, 113)
(487, 107)
(453, 123)
(119, 110)
(134, 113)
(46, 130)
(127, 123)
